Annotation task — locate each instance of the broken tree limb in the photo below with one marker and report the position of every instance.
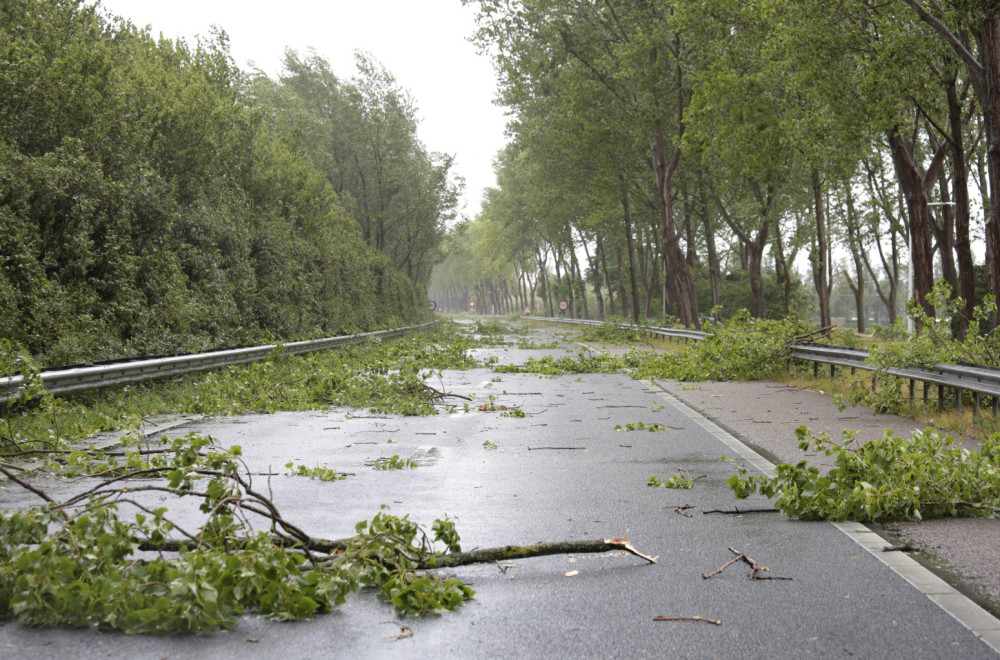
(480, 556)
(509, 552)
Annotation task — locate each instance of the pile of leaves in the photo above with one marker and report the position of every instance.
(892, 478)
(745, 348)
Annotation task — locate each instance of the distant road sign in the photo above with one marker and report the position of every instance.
(434, 305)
(527, 310)
(563, 305)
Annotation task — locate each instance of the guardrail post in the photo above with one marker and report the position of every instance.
(815, 369)
(975, 409)
(833, 370)
(927, 389)
(958, 400)
(940, 398)
(913, 387)
(996, 406)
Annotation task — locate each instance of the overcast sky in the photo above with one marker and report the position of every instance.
(422, 42)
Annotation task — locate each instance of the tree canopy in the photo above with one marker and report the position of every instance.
(155, 198)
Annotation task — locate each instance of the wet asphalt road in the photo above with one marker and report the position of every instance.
(841, 602)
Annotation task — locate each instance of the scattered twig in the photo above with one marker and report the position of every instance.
(537, 448)
(734, 511)
(680, 509)
(404, 631)
(503, 567)
(755, 566)
(811, 337)
(433, 393)
(900, 548)
(714, 622)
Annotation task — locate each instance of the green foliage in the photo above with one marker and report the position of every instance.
(153, 201)
(743, 349)
(317, 472)
(490, 445)
(640, 426)
(74, 563)
(609, 332)
(932, 344)
(514, 412)
(385, 376)
(682, 480)
(394, 462)
(553, 366)
(893, 478)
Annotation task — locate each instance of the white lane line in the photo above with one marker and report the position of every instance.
(960, 607)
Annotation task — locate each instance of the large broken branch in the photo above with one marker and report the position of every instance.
(508, 552)
(481, 556)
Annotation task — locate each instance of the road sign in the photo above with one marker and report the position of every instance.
(527, 310)
(563, 305)
(434, 305)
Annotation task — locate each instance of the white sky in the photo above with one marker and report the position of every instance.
(422, 42)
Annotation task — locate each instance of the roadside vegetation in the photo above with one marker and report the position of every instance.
(157, 199)
(381, 376)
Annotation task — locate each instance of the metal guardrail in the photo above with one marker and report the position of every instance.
(972, 378)
(961, 378)
(979, 380)
(79, 378)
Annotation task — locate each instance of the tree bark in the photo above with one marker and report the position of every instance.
(678, 276)
(960, 184)
(914, 187)
(820, 259)
(627, 216)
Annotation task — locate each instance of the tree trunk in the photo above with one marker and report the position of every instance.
(627, 215)
(911, 184)
(621, 282)
(960, 184)
(596, 271)
(602, 255)
(820, 260)
(678, 276)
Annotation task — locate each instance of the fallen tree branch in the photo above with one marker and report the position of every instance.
(479, 556)
(508, 552)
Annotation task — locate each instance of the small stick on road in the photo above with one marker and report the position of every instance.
(755, 566)
(537, 448)
(737, 511)
(714, 622)
(680, 509)
(404, 631)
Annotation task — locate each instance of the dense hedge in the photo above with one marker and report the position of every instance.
(150, 203)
